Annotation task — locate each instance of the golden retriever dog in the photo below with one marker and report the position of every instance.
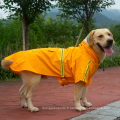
(74, 65)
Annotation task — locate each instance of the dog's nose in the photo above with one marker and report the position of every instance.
(109, 42)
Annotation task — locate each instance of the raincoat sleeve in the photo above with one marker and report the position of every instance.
(84, 71)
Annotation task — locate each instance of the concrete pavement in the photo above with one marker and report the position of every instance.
(107, 112)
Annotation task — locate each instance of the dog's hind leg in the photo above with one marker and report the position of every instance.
(32, 81)
(21, 94)
(83, 98)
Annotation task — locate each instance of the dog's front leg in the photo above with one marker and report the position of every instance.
(77, 95)
(83, 98)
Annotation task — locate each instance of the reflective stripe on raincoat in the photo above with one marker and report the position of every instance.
(79, 63)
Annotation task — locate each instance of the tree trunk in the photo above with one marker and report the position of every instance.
(79, 37)
(27, 30)
(88, 26)
(23, 33)
(19, 41)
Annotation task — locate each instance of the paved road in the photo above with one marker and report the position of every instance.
(107, 112)
(55, 101)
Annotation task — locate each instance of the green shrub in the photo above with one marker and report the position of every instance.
(115, 29)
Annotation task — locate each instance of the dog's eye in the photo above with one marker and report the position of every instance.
(100, 36)
(109, 34)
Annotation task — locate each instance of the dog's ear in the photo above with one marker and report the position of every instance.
(90, 38)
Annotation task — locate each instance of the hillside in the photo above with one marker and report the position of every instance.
(114, 14)
(106, 17)
(103, 20)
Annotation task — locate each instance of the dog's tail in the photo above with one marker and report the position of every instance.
(6, 63)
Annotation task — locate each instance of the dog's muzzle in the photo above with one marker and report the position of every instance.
(100, 47)
(109, 43)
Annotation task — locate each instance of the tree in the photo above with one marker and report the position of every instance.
(28, 10)
(83, 10)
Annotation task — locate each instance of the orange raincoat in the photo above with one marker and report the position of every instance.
(79, 63)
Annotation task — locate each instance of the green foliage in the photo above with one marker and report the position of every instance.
(83, 10)
(9, 36)
(54, 32)
(110, 62)
(29, 9)
(115, 29)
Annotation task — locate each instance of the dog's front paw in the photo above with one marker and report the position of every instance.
(24, 105)
(87, 104)
(80, 108)
(34, 109)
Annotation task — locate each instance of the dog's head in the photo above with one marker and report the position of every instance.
(101, 40)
